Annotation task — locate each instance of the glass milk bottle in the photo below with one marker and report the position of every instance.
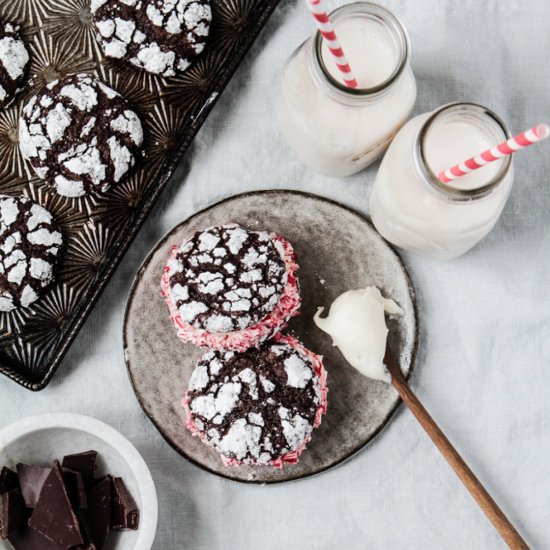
(414, 210)
(336, 130)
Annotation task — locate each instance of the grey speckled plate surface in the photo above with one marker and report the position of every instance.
(337, 250)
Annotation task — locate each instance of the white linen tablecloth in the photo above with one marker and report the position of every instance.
(484, 366)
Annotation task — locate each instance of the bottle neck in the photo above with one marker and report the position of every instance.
(397, 40)
(472, 113)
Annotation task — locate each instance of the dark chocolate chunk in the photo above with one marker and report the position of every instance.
(53, 515)
(97, 518)
(68, 514)
(32, 479)
(85, 463)
(8, 480)
(75, 488)
(124, 513)
(86, 545)
(29, 539)
(14, 514)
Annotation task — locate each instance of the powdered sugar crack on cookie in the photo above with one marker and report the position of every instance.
(14, 60)
(231, 288)
(30, 243)
(162, 37)
(250, 409)
(80, 135)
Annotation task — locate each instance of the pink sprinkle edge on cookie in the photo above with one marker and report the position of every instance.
(241, 340)
(293, 456)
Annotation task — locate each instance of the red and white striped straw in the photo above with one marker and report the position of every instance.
(533, 135)
(327, 31)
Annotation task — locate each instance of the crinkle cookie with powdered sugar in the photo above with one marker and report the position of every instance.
(162, 37)
(14, 60)
(258, 407)
(80, 135)
(30, 242)
(231, 288)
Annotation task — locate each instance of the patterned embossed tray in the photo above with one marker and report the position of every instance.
(98, 230)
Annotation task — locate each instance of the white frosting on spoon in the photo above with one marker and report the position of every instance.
(357, 325)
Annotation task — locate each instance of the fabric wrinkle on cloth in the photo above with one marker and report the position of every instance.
(482, 369)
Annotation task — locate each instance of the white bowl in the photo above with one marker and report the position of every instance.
(41, 439)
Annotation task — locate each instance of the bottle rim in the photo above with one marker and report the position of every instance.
(392, 24)
(455, 193)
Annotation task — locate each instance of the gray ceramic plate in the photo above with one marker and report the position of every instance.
(337, 250)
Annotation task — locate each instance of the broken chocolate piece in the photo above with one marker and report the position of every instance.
(53, 515)
(75, 488)
(85, 463)
(125, 513)
(31, 479)
(68, 514)
(97, 518)
(86, 545)
(13, 514)
(8, 480)
(29, 539)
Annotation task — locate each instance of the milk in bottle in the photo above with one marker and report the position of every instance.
(414, 210)
(336, 130)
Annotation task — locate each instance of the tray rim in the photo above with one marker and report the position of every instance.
(167, 171)
(387, 418)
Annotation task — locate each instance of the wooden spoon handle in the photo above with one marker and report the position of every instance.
(483, 498)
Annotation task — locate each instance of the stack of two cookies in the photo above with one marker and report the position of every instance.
(257, 394)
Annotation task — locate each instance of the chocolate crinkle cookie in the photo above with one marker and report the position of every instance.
(30, 242)
(260, 406)
(14, 60)
(231, 288)
(80, 135)
(227, 278)
(162, 37)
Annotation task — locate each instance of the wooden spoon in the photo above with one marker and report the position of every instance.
(501, 523)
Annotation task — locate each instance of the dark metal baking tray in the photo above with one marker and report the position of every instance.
(98, 230)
